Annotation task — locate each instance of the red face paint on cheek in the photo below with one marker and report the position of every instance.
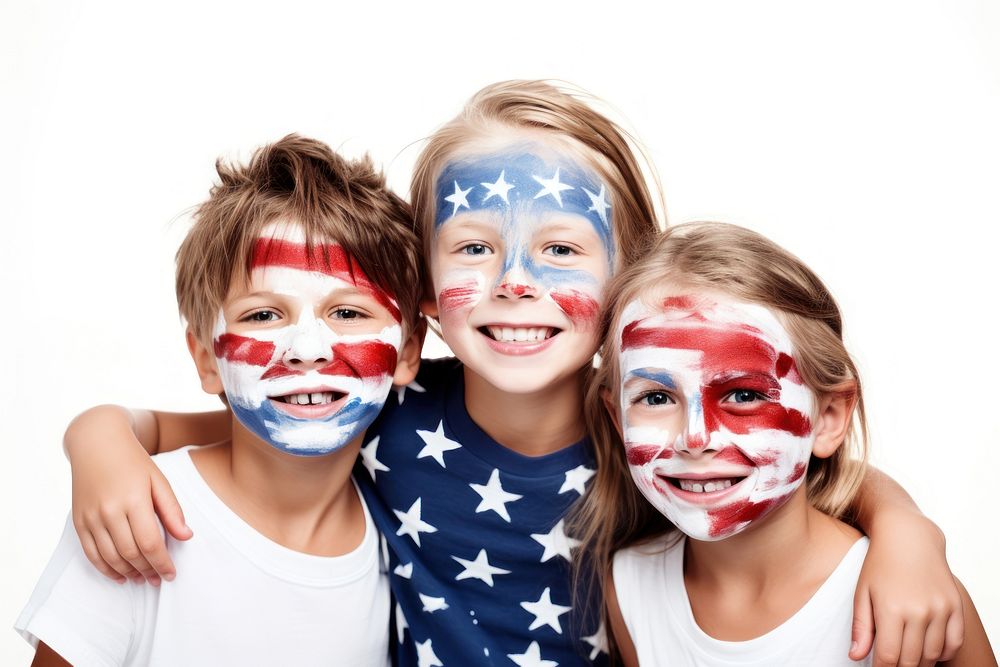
(724, 519)
(233, 347)
(640, 455)
(461, 295)
(580, 307)
(369, 359)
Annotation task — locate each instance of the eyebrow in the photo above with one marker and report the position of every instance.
(654, 374)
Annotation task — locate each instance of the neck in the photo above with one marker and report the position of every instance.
(531, 424)
(304, 503)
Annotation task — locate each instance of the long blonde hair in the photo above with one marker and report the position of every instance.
(747, 266)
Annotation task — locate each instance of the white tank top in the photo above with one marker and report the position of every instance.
(649, 582)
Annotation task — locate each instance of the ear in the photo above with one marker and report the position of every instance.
(609, 405)
(204, 361)
(409, 357)
(836, 409)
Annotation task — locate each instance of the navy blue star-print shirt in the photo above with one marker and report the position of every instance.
(479, 559)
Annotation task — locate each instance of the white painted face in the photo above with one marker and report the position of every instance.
(717, 421)
(307, 351)
(523, 246)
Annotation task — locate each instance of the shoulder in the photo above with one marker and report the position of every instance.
(82, 615)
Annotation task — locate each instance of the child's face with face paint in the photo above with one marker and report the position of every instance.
(717, 422)
(307, 351)
(522, 249)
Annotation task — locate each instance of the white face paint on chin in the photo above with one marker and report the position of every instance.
(717, 420)
(523, 247)
(307, 352)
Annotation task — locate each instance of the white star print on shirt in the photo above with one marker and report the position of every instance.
(413, 386)
(425, 655)
(437, 444)
(479, 569)
(598, 640)
(411, 524)
(552, 186)
(531, 658)
(400, 623)
(556, 542)
(545, 612)
(494, 497)
(458, 199)
(599, 204)
(432, 604)
(369, 458)
(404, 571)
(498, 189)
(576, 479)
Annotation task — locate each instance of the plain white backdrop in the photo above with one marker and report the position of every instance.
(861, 135)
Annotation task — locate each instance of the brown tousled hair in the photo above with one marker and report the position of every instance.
(747, 266)
(306, 183)
(560, 115)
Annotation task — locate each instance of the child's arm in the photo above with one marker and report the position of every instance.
(623, 641)
(118, 490)
(976, 649)
(46, 657)
(908, 624)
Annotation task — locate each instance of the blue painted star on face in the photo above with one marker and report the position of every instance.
(545, 612)
(599, 204)
(500, 188)
(494, 497)
(369, 458)
(437, 444)
(479, 568)
(458, 198)
(576, 479)
(531, 658)
(411, 524)
(552, 186)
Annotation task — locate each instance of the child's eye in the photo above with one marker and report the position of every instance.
(655, 398)
(347, 314)
(476, 249)
(744, 396)
(559, 250)
(261, 316)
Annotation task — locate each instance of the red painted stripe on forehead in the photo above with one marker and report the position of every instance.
(330, 259)
(233, 347)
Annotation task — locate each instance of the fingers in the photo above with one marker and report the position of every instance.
(863, 627)
(934, 637)
(109, 553)
(120, 530)
(954, 634)
(150, 542)
(94, 556)
(911, 646)
(888, 641)
(168, 509)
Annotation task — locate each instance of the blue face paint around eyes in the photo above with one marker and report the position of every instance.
(660, 377)
(516, 185)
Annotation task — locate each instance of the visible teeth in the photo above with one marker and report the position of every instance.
(519, 334)
(705, 487)
(318, 398)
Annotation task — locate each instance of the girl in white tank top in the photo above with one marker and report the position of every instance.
(727, 406)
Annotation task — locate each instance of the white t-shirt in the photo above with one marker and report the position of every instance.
(238, 598)
(649, 582)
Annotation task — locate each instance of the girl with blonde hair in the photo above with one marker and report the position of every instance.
(729, 427)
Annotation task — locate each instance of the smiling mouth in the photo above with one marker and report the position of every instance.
(314, 398)
(504, 334)
(703, 485)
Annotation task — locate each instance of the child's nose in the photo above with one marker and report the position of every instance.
(695, 439)
(308, 345)
(515, 283)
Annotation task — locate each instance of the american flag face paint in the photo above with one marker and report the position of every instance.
(718, 423)
(307, 352)
(523, 247)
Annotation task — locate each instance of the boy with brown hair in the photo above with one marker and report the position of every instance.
(294, 319)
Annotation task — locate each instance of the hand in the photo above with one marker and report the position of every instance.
(117, 494)
(907, 600)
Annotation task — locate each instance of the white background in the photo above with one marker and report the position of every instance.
(862, 136)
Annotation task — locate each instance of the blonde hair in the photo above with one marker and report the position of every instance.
(332, 198)
(747, 266)
(557, 114)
